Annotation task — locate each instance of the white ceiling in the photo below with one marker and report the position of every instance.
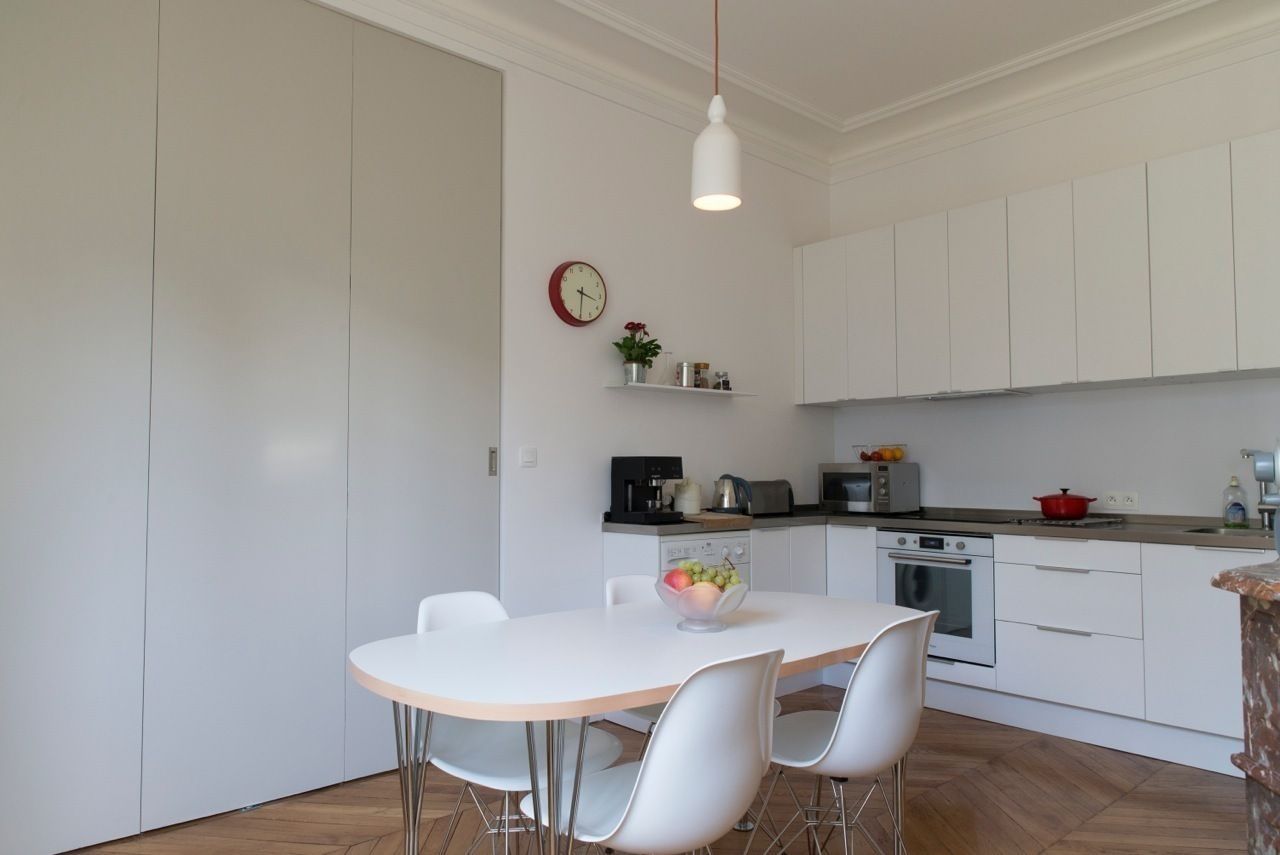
(847, 62)
(835, 84)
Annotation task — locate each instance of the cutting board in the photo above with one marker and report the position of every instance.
(714, 520)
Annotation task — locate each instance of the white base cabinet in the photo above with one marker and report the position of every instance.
(851, 562)
(1193, 666)
(1099, 672)
(789, 558)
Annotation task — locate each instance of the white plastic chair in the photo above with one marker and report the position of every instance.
(873, 732)
(492, 754)
(638, 588)
(702, 769)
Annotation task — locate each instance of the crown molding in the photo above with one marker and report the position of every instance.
(808, 146)
(636, 29)
(958, 130)
(490, 42)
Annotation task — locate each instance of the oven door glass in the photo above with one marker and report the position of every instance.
(948, 589)
(847, 488)
(962, 590)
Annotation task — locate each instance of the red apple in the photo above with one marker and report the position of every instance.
(678, 578)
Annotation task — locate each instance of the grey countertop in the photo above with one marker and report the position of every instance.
(1140, 528)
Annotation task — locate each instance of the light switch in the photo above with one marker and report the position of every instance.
(528, 457)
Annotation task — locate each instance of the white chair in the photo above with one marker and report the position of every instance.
(701, 772)
(638, 588)
(873, 732)
(492, 754)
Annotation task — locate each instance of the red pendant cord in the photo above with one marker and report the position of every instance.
(717, 44)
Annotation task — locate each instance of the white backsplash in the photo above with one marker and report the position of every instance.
(1176, 446)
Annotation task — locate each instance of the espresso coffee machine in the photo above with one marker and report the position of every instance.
(636, 489)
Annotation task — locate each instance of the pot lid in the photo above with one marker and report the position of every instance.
(1065, 493)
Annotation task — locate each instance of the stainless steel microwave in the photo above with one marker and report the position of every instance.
(870, 488)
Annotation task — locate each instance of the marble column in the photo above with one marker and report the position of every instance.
(1259, 590)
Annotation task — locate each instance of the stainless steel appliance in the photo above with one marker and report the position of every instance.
(1264, 471)
(732, 495)
(882, 488)
(953, 573)
(771, 497)
(636, 489)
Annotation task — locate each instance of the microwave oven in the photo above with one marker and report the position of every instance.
(869, 488)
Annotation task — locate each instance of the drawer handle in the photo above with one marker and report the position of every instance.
(930, 559)
(1068, 539)
(1231, 549)
(1062, 569)
(1063, 631)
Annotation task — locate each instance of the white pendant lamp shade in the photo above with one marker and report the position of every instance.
(717, 163)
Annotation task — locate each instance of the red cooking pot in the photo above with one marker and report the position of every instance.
(1064, 506)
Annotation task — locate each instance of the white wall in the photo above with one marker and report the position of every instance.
(588, 179)
(1175, 445)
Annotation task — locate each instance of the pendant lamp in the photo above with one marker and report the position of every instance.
(717, 155)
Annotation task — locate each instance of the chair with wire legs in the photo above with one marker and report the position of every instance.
(709, 749)
(492, 754)
(871, 734)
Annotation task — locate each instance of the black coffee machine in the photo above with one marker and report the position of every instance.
(636, 489)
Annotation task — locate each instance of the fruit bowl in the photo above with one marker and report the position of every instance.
(702, 604)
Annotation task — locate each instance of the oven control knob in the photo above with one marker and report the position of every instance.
(960, 545)
(902, 541)
(739, 551)
(883, 480)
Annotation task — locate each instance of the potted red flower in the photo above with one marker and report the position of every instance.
(638, 349)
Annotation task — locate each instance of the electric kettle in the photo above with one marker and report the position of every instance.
(732, 495)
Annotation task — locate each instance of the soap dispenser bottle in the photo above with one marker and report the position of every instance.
(1235, 505)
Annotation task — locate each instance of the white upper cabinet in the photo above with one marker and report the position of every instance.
(1042, 287)
(922, 322)
(872, 337)
(1193, 308)
(1255, 181)
(1113, 284)
(978, 262)
(824, 351)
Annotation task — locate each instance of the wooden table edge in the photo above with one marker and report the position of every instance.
(567, 709)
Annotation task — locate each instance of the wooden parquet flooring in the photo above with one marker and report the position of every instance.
(973, 788)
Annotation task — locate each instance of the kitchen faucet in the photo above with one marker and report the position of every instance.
(1264, 470)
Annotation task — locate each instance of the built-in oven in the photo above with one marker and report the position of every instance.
(954, 574)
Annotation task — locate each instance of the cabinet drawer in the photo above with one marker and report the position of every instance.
(1114, 556)
(1087, 600)
(1097, 672)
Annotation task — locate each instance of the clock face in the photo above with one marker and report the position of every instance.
(577, 293)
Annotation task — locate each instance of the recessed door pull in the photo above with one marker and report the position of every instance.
(1062, 569)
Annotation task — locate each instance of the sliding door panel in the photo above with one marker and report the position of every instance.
(77, 92)
(426, 208)
(245, 588)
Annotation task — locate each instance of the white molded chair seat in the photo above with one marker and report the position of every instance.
(800, 738)
(494, 754)
(713, 739)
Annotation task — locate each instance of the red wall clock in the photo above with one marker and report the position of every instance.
(577, 293)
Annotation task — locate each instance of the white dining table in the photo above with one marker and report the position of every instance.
(550, 668)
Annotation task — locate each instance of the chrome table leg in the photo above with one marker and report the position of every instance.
(533, 784)
(413, 737)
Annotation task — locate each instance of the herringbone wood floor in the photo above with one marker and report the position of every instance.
(973, 788)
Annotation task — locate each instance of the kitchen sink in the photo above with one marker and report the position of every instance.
(1243, 532)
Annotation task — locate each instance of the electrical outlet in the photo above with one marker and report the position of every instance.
(1117, 500)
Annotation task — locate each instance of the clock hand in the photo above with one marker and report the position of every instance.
(580, 296)
(588, 296)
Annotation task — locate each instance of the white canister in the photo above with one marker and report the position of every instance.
(688, 496)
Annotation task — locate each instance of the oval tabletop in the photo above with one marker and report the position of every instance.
(592, 661)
